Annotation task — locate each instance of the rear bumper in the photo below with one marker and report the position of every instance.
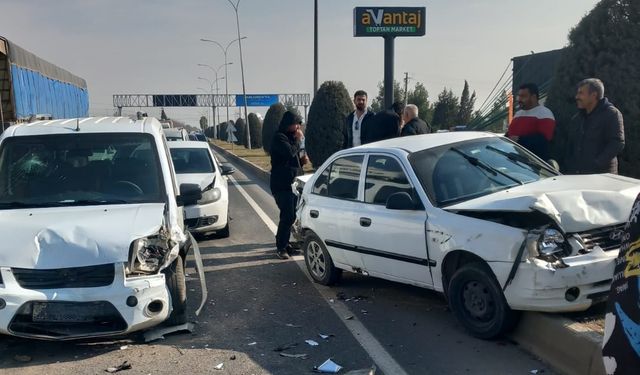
(16, 317)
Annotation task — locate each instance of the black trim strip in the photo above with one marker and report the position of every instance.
(383, 254)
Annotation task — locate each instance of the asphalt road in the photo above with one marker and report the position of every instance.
(258, 303)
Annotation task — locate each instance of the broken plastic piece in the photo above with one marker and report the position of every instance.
(311, 342)
(328, 367)
(301, 356)
(124, 347)
(158, 333)
(252, 343)
(293, 325)
(219, 366)
(324, 337)
(124, 366)
(200, 269)
(366, 371)
(350, 317)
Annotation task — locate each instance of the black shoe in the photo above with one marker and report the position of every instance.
(282, 254)
(291, 251)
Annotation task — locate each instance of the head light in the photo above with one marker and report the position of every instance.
(147, 254)
(551, 242)
(210, 196)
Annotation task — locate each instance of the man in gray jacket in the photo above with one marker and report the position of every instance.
(596, 132)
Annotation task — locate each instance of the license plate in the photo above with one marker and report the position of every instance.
(63, 312)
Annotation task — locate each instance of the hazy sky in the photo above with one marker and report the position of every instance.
(152, 46)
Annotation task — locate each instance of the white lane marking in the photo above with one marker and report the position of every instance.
(369, 343)
(232, 266)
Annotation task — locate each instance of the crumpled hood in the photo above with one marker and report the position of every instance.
(575, 203)
(202, 179)
(61, 237)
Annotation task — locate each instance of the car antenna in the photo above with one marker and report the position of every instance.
(77, 124)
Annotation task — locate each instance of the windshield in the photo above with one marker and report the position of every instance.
(458, 172)
(79, 169)
(192, 160)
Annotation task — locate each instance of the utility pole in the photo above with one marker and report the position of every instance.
(315, 47)
(406, 88)
(244, 90)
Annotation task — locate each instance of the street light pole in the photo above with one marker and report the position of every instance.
(210, 92)
(315, 47)
(215, 72)
(213, 108)
(224, 51)
(244, 90)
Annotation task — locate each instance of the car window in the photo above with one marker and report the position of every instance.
(79, 169)
(458, 172)
(192, 160)
(344, 177)
(384, 177)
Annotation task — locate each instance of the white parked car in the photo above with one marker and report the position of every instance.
(195, 164)
(472, 215)
(94, 241)
(176, 134)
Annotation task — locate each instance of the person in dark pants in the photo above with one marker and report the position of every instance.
(595, 135)
(287, 159)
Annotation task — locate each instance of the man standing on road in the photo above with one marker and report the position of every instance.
(595, 134)
(357, 124)
(413, 125)
(286, 163)
(534, 124)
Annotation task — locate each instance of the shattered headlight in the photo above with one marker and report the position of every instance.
(210, 195)
(551, 242)
(148, 254)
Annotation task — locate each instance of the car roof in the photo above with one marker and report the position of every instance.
(421, 142)
(86, 125)
(188, 144)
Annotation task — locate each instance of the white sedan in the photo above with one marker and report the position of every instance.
(472, 215)
(195, 163)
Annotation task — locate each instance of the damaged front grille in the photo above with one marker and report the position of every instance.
(607, 238)
(66, 320)
(77, 277)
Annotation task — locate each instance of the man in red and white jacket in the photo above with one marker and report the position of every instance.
(534, 124)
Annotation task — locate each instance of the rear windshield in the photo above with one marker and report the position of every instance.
(192, 160)
(79, 169)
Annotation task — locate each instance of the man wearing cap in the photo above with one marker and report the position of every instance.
(286, 163)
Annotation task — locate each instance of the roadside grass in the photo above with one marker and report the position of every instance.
(256, 156)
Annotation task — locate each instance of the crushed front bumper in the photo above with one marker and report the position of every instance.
(83, 312)
(540, 286)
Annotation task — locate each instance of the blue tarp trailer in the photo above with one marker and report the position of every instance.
(31, 86)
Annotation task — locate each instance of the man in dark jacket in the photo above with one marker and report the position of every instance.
(413, 125)
(287, 158)
(386, 124)
(595, 133)
(357, 125)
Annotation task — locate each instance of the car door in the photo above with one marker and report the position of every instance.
(332, 204)
(392, 242)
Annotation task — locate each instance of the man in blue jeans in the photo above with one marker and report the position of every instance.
(287, 159)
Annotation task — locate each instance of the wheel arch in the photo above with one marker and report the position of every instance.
(454, 260)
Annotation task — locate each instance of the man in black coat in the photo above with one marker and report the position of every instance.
(595, 133)
(287, 159)
(357, 125)
(413, 125)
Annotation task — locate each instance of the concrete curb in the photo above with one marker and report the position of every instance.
(569, 347)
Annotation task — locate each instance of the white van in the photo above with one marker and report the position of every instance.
(93, 235)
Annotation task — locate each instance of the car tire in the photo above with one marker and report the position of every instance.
(177, 285)
(318, 261)
(476, 300)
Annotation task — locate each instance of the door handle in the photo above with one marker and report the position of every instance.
(365, 222)
(314, 214)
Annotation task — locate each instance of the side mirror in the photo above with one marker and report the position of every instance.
(400, 201)
(190, 194)
(227, 169)
(554, 164)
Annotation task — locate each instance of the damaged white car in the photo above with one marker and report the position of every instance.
(93, 235)
(472, 215)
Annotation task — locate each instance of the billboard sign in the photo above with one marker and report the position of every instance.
(389, 21)
(257, 100)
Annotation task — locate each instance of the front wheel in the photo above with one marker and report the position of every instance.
(174, 276)
(478, 303)
(319, 262)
